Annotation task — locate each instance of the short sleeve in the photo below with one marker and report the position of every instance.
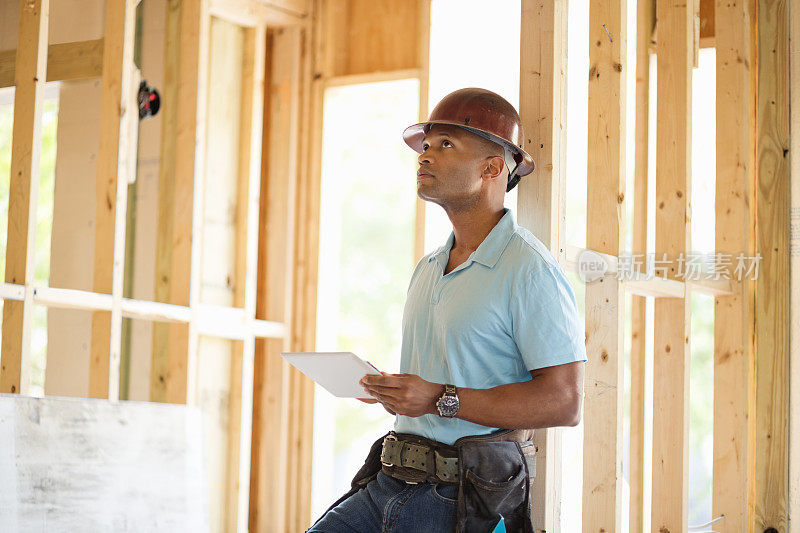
(545, 322)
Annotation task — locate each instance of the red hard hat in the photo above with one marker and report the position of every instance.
(484, 113)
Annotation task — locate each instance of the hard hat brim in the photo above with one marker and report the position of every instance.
(415, 134)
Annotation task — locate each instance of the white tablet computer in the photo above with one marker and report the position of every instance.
(338, 372)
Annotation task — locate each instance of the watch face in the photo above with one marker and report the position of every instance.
(448, 405)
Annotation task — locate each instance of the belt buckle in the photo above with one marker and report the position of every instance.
(394, 438)
(389, 437)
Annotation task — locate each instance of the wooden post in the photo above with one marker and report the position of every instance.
(306, 260)
(672, 315)
(645, 22)
(605, 297)
(424, 86)
(794, 341)
(542, 106)
(180, 197)
(247, 218)
(26, 143)
(734, 315)
(166, 198)
(304, 294)
(273, 394)
(117, 109)
(772, 195)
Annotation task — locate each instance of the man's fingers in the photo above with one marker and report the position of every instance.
(367, 400)
(386, 380)
(381, 389)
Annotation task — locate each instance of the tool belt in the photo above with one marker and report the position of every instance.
(414, 459)
(493, 473)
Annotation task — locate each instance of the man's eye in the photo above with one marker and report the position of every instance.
(447, 143)
(424, 147)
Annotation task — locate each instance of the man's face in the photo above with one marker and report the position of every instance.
(452, 164)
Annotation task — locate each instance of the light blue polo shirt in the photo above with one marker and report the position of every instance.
(507, 310)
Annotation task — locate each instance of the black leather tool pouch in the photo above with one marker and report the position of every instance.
(494, 485)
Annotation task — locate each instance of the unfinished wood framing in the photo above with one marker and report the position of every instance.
(292, 51)
(793, 507)
(117, 108)
(772, 195)
(424, 87)
(540, 202)
(734, 315)
(260, 13)
(247, 221)
(65, 61)
(605, 305)
(645, 22)
(368, 36)
(174, 345)
(672, 315)
(272, 433)
(29, 76)
(166, 197)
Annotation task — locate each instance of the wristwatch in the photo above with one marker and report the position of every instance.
(448, 403)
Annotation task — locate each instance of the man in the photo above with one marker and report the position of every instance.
(491, 338)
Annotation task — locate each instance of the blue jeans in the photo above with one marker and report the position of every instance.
(389, 504)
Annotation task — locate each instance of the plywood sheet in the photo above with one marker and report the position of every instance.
(92, 465)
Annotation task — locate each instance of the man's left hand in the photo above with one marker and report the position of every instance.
(404, 394)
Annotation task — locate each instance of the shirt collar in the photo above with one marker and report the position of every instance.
(492, 247)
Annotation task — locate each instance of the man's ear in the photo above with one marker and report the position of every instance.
(493, 167)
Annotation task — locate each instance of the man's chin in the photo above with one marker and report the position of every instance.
(426, 193)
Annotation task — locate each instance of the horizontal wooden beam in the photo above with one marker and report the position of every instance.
(66, 61)
(256, 13)
(372, 77)
(213, 320)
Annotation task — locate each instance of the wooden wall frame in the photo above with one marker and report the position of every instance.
(605, 297)
(540, 202)
(275, 297)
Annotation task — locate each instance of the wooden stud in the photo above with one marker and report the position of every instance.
(645, 21)
(672, 315)
(189, 184)
(703, 27)
(772, 195)
(247, 217)
(180, 206)
(542, 106)
(273, 398)
(605, 301)
(734, 350)
(166, 197)
(794, 258)
(424, 28)
(117, 109)
(26, 143)
(65, 61)
(707, 23)
(306, 234)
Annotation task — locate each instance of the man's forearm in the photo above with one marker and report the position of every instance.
(527, 405)
(552, 398)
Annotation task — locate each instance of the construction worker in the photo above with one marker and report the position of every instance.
(492, 346)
